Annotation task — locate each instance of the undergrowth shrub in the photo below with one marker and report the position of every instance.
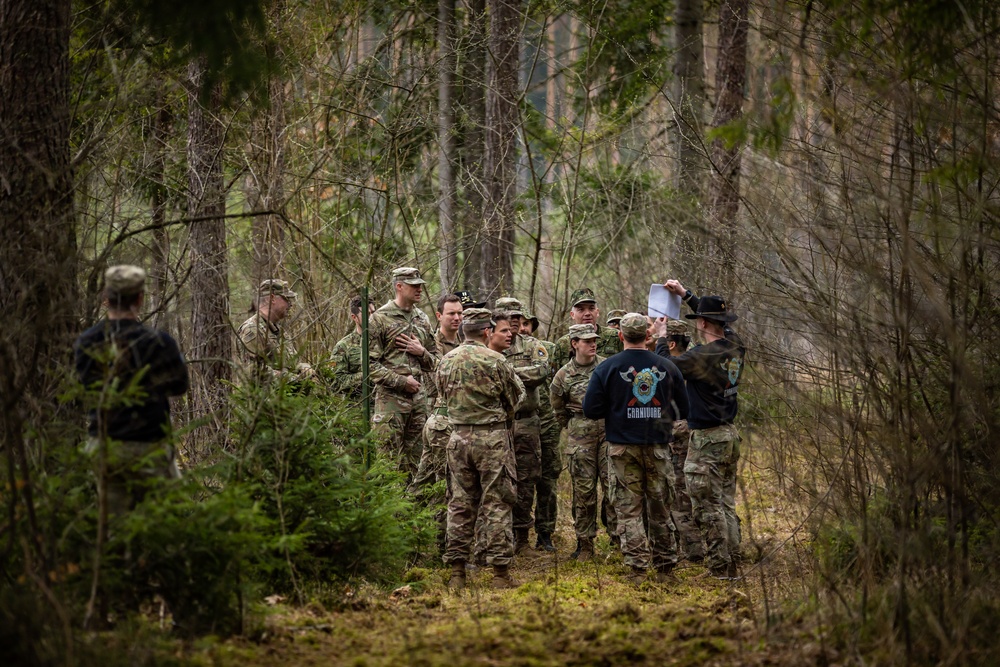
(302, 458)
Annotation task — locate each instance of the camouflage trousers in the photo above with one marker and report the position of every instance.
(587, 454)
(642, 479)
(546, 505)
(688, 535)
(710, 473)
(481, 483)
(528, 454)
(398, 422)
(133, 469)
(432, 469)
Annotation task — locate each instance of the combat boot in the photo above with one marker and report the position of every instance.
(636, 576)
(522, 546)
(584, 549)
(544, 542)
(502, 578)
(457, 580)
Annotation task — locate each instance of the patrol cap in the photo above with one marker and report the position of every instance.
(468, 301)
(633, 323)
(477, 318)
(124, 279)
(713, 308)
(677, 328)
(511, 305)
(408, 275)
(582, 295)
(583, 332)
(277, 287)
(615, 316)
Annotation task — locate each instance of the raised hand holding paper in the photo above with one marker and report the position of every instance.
(663, 304)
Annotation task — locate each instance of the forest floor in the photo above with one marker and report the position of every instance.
(565, 613)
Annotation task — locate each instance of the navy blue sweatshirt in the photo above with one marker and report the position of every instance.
(151, 355)
(712, 373)
(638, 394)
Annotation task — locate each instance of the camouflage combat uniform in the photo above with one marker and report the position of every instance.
(265, 352)
(688, 535)
(546, 504)
(345, 362)
(531, 363)
(436, 431)
(481, 392)
(399, 416)
(586, 449)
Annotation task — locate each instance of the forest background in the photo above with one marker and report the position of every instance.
(830, 166)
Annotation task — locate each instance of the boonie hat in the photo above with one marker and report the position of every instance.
(468, 301)
(276, 286)
(477, 318)
(615, 316)
(583, 332)
(582, 295)
(408, 275)
(633, 323)
(713, 308)
(510, 304)
(124, 279)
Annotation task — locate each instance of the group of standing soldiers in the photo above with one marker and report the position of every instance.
(480, 404)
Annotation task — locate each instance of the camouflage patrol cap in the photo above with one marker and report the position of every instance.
(477, 318)
(276, 287)
(583, 332)
(633, 323)
(511, 305)
(677, 328)
(408, 275)
(124, 279)
(615, 316)
(582, 295)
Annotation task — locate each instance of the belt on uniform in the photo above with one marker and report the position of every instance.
(524, 414)
(495, 426)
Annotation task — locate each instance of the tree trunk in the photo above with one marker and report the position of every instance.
(446, 144)
(689, 96)
(500, 164)
(724, 192)
(473, 145)
(160, 292)
(211, 332)
(38, 259)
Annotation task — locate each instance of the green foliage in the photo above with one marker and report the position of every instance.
(302, 460)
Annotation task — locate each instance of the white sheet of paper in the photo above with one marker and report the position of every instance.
(663, 303)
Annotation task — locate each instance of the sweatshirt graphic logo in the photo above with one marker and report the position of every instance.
(643, 384)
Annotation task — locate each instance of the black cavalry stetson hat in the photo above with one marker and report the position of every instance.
(713, 308)
(468, 301)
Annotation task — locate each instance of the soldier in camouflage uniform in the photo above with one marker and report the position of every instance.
(263, 349)
(639, 394)
(135, 430)
(481, 393)
(712, 373)
(437, 431)
(402, 355)
(345, 360)
(677, 334)
(586, 448)
(546, 505)
(585, 311)
(531, 362)
(614, 317)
